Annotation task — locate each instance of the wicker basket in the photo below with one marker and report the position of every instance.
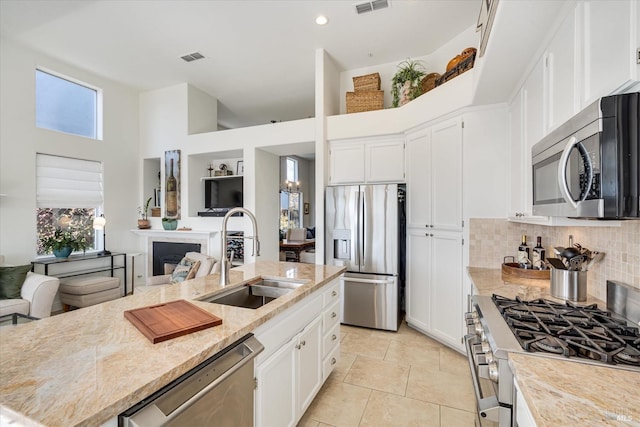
(429, 82)
(366, 82)
(464, 65)
(369, 100)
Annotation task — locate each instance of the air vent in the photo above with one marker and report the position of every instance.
(192, 56)
(371, 5)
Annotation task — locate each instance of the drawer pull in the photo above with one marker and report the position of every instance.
(333, 337)
(303, 342)
(333, 314)
(298, 346)
(334, 293)
(333, 361)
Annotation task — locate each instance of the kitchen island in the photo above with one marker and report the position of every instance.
(86, 366)
(564, 392)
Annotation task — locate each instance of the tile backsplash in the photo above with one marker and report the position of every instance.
(493, 239)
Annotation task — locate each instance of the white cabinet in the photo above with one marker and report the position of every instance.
(434, 177)
(308, 369)
(366, 161)
(300, 353)
(609, 37)
(434, 284)
(346, 163)
(524, 417)
(275, 402)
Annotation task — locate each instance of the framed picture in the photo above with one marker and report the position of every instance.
(172, 184)
(306, 208)
(240, 167)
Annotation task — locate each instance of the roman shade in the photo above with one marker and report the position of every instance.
(64, 182)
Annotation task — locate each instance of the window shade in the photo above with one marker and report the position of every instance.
(63, 182)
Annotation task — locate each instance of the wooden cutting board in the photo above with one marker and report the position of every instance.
(163, 322)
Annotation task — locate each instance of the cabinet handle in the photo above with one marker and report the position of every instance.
(333, 337)
(333, 361)
(298, 346)
(334, 293)
(303, 342)
(333, 314)
(431, 226)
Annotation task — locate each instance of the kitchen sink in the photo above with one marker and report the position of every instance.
(256, 293)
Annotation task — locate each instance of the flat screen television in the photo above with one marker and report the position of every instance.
(223, 192)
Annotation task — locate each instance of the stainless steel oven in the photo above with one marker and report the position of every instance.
(548, 328)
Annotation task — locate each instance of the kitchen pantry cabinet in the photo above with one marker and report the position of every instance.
(434, 284)
(366, 161)
(299, 355)
(434, 177)
(434, 231)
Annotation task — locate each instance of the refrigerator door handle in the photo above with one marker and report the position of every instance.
(361, 215)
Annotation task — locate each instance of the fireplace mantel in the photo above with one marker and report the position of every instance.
(204, 237)
(177, 234)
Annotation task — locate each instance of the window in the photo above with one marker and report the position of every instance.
(292, 169)
(69, 195)
(67, 106)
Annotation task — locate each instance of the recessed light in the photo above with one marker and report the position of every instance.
(322, 20)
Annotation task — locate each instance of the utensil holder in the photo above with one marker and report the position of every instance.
(569, 285)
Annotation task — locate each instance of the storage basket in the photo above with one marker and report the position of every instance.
(462, 66)
(368, 100)
(429, 82)
(366, 82)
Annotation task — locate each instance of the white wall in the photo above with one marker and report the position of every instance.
(20, 140)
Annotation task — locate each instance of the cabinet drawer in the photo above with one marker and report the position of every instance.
(332, 294)
(331, 317)
(329, 363)
(331, 340)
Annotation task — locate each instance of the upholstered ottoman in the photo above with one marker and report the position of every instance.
(86, 291)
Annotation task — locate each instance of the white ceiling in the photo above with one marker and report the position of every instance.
(259, 54)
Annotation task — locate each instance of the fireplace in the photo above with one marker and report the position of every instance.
(170, 253)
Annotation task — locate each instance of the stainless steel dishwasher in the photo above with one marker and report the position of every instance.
(218, 392)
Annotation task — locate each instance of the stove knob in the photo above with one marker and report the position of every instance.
(488, 356)
(473, 315)
(494, 374)
(479, 330)
(486, 348)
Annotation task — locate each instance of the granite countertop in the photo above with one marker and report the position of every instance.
(563, 392)
(86, 366)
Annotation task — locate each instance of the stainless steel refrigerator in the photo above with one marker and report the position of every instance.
(365, 232)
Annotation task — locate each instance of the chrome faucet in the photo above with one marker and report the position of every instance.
(224, 262)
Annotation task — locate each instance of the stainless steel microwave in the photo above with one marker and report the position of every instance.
(589, 166)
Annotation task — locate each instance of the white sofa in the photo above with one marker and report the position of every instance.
(208, 265)
(38, 292)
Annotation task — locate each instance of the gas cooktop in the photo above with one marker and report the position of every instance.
(582, 332)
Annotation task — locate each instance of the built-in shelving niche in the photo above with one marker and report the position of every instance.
(151, 182)
(199, 165)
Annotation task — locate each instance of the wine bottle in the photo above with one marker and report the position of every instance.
(523, 253)
(172, 194)
(538, 255)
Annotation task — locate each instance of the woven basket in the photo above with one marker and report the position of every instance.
(366, 82)
(429, 82)
(370, 100)
(464, 65)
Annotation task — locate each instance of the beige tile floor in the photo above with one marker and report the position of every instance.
(390, 379)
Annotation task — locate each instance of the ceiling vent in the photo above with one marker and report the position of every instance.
(371, 6)
(192, 56)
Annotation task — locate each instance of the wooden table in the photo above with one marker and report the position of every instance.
(296, 246)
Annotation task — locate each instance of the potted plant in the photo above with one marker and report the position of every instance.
(405, 85)
(62, 243)
(143, 222)
(169, 223)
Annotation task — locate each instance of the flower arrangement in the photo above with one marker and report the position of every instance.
(65, 239)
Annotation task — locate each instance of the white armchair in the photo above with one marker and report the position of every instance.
(38, 292)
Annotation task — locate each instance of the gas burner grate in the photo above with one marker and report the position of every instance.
(570, 330)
